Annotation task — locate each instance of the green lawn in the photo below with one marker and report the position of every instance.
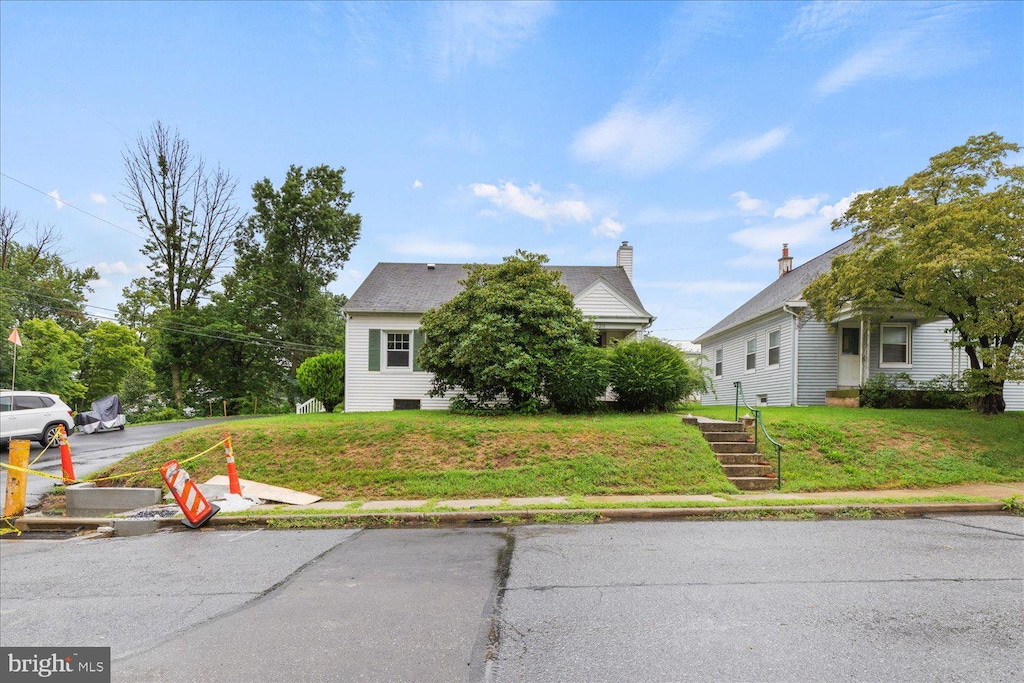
(436, 455)
(864, 448)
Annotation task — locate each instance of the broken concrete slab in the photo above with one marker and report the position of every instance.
(88, 500)
(278, 494)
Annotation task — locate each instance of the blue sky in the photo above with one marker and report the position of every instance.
(704, 134)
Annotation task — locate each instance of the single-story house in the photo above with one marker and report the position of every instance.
(783, 356)
(383, 319)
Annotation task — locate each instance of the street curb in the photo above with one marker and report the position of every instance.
(504, 517)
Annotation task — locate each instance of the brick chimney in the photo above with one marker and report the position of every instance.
(624, 258)
(786, 262)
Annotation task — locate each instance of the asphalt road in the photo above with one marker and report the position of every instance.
(92, 452)
(895, 600)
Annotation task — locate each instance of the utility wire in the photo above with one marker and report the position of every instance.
(180, 327)
(70, 205)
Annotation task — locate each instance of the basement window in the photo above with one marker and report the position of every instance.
(406, 404)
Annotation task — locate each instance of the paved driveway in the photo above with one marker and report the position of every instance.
(92, 452)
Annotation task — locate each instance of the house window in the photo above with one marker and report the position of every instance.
(718, 362)
(896, 344)
(751, 354)
(398, 349)
(774, 342)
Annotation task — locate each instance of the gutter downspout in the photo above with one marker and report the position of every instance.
(794, 335)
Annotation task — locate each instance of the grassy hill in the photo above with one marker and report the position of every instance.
(863, 448)
(437, 455)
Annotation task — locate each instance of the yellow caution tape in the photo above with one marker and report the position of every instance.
(116, 476)
(56, 437)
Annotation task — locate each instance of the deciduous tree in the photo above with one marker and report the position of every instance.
(190, 218)
(946, 243)
(501, 337)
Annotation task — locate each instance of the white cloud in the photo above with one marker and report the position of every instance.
(609, 228)
(416, 184)
(463, 33)
(121, 268)
(798, 207)
(746, 203)
(748, 149)
(97, 198)
(56, 199)
(908, 40)
(823, 20)
(640, 141)
(815, 228)
(532, 202)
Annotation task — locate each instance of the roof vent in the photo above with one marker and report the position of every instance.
(431, 266)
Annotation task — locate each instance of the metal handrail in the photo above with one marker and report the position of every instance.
(759, 422)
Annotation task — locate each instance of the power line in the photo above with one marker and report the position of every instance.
(70, 205)
(183, 328)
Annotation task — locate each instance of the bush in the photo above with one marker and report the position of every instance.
(160, 415)
(899, 391)
(651, 374)
(883, 391)
(578, 382)
(323, 377)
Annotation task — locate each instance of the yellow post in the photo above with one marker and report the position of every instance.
(14, 503)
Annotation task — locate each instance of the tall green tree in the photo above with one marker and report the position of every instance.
(296, 240)
(112, 352)
(190, 218)
(501, 338)
(946, 243)
(35, 280)
(48, 361)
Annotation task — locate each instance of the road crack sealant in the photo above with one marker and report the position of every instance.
(485, 650)
(257, 598)
(973, 526)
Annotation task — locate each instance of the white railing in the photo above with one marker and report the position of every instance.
(310, 406)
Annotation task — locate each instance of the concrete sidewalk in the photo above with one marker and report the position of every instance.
(992, 492)
(989, 499)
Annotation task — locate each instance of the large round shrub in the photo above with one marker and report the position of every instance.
(323, 377)
(651, 375)
(579, 380)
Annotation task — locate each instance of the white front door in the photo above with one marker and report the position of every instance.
(849, 357)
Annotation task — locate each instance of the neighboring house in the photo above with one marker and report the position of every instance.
(382, 321)
(783, 356)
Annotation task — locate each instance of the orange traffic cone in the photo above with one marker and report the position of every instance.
(229, 453)
(191, 501)
(65, 456)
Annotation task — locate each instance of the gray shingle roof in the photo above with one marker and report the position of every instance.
(413, 288)
(790, 287)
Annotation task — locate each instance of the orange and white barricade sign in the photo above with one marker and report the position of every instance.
(193, 503)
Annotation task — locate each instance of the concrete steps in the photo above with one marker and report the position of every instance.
(734, 448)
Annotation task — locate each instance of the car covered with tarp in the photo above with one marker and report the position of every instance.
(106, 413)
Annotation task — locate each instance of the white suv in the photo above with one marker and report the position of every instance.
(32, 415)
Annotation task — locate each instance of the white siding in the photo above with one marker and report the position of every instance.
(367, 390)
(1013, 394)
(600, 302)
(774, 382)
(930, 353)
(819, 363)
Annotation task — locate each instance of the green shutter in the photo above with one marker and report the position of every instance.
(375, 350)
(417, 344)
